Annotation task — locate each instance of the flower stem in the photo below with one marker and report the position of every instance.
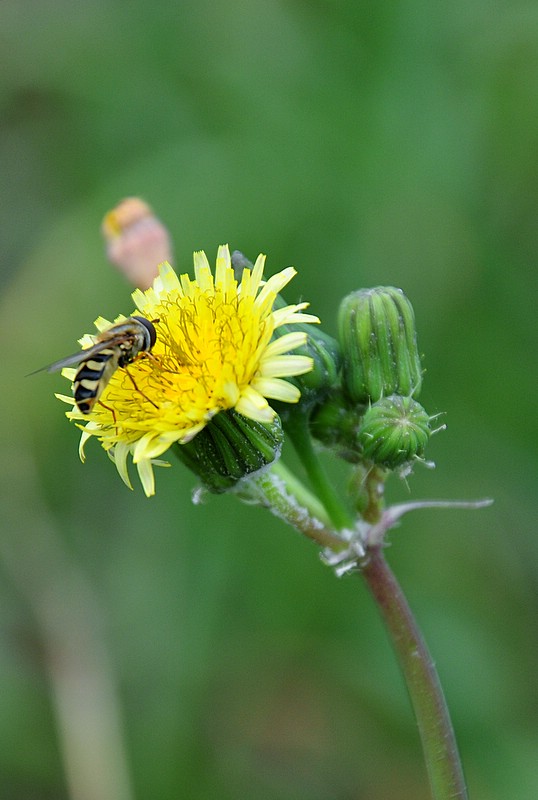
(438, 741)
(292, 503)
(299, 433)
(299, 491)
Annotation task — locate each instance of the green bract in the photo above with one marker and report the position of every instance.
(229, 448)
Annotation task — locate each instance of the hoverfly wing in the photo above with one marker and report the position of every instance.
(115, 347)
(83, 355)
(68, 361)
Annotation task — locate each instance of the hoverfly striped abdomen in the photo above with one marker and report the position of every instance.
(92, 377)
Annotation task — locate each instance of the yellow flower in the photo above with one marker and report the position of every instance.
(215, 350)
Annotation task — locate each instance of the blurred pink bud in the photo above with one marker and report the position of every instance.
(136, 241)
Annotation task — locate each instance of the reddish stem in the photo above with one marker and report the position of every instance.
(435, 727)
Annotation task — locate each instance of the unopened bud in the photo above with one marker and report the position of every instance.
(229, 448)
(394, 431)
(379, 345)
(136, 241)
(316, 384)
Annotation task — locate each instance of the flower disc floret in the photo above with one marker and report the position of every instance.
(217, 348)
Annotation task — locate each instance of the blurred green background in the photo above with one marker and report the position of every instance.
(157, 649)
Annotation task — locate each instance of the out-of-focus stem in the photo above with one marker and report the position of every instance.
(68, 620)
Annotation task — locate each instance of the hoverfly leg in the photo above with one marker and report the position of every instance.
(139, 390)
(112, 412)
(149, 354)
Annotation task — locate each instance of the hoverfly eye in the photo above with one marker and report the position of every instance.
(149, 326)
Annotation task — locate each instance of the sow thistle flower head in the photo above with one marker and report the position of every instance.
(217, 349)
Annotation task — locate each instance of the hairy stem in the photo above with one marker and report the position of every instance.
(293, 503)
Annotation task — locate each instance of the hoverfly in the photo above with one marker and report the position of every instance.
(115, 347)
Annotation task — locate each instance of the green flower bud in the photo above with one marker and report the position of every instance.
(324, 375)
(394, 431)
(229, 448)
(379, 345)
(325, 353)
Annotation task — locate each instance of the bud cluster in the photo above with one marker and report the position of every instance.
(371, 415)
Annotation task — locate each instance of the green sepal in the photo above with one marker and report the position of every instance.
(229, 448)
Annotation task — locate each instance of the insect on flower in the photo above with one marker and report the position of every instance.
(215, 350)
(115, 347)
